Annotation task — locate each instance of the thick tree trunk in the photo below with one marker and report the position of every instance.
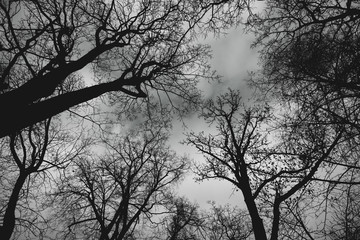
(257, 223)
(8, 226)
(22, 107)
(16, 119)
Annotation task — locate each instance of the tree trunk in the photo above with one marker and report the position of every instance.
(276, 220)
(257, 223)
(17, 118)
(8, 226)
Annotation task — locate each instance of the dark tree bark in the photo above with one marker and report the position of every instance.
(34, 113)
(7, 228)
(256, 220)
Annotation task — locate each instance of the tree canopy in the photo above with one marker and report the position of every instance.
(291, 150)
(132, 47)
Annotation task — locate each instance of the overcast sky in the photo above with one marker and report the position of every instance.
(233, 58)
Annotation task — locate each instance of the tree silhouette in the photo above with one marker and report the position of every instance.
(344, 223)
(131, 46)
(29, 159)
(185, 220)
(107, 196)
(270, 176)
(310, 60)
(313, 62)
(225, 222)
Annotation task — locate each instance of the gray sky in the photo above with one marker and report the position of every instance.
(233, 58)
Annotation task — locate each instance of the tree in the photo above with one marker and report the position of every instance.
(185, 220)
(311, 57)
(131, 46)
(270, 176)
(106, 196)
(29, 159)
(344, 223)
(225, 222)
(310, 60)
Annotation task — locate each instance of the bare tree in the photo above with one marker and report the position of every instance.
(226, 222)
(29, 159)
(106, 196)
(132, 46)
(269, 176)
(185, 220)
(344, 223)
(310, 60)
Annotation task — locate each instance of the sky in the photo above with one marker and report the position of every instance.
(233, 59)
